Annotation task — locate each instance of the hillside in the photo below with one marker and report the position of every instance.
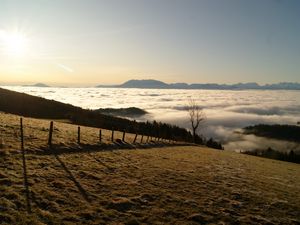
(37, 107)
(131, 112)
(275, 131)
(90, 184)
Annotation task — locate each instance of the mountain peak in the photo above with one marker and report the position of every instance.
(37, 85)
(144, 84)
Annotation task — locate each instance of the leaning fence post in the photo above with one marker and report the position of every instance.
(123, 138)
(135, 138)
(112, 135)
(100, 136)
(28, 205)
(147, 139)
(50, 134)
(142, 138)
(78, 135)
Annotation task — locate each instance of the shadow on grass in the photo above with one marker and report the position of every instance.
(26, 184)
(111, 169)
(72, 178)
(116, 145)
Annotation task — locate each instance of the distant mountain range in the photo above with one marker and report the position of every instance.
(156, 84)
(36, 85)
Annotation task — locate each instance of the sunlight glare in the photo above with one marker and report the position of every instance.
(14, 43)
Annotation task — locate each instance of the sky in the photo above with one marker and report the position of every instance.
(89, 42)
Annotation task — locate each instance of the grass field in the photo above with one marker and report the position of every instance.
(165, 185)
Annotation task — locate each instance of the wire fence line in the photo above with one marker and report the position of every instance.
(40, 134)
(18, 133)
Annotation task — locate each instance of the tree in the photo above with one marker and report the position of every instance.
(196, 116)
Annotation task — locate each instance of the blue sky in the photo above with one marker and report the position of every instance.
(194, 41)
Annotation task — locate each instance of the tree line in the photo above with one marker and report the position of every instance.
(276, 131)
(270, 153)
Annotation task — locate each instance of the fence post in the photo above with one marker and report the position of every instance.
(100, 136)
(78, 135)
(50, 134)
(112, 135)
(147, 139)
(22, 135)
(135, 138)
(142, 138)
(123, 138)
(28, 205)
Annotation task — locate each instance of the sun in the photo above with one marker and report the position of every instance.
(14, 43)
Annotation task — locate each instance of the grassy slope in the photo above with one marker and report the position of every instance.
(174, 185)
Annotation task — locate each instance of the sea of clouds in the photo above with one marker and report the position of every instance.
(227, 112)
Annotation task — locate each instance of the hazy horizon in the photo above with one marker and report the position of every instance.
(108, 42)
(57, 84)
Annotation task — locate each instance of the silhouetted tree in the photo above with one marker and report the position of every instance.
(196, 116)
(211, 143)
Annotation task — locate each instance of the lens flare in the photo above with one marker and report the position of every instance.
(13, 43)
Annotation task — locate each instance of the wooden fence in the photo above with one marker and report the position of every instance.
(143, 140)
(138, 138)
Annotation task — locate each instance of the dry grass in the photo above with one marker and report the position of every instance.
(36, 132)
(172, 185)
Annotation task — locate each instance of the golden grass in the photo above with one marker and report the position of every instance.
(171, 185)
(36, 133)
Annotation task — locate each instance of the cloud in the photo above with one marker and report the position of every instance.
(65, 68)
(224, 122)
(252, 142)
(227, 112)
(266, 110)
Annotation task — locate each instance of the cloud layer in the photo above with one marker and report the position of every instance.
(227, 111)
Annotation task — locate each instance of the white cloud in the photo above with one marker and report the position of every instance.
(227, 111)
(65, 68)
